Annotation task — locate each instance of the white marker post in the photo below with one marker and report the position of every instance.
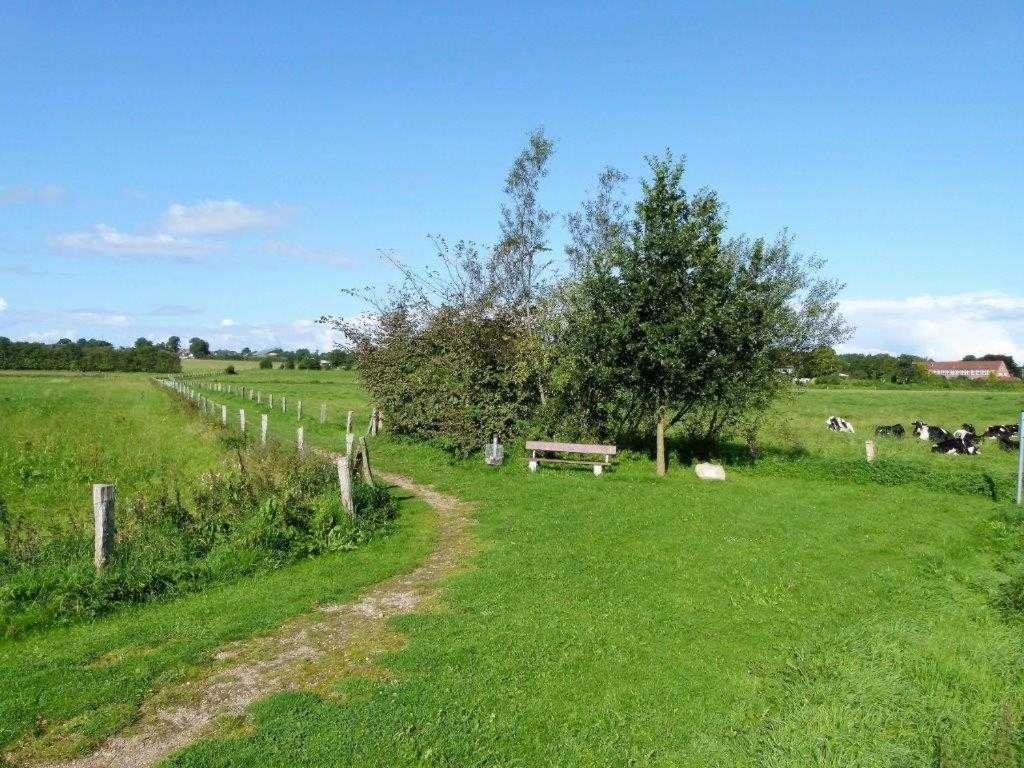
(284, 404)
(300, 438)
(348, 423)
(241, 419)
(224, 415)
(263, 429)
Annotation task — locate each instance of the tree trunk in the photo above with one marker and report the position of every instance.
(661, 462)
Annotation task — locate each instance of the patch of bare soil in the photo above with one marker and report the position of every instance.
(307, 652)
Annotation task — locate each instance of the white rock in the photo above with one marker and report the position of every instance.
(710, 471)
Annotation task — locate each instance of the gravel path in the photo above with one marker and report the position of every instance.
(305, 652)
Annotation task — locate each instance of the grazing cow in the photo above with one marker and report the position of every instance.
(963, 445)
(926, 432)
(895, 430)
(965, 429)
(997, 431)
(1009, 444)
(837, 424)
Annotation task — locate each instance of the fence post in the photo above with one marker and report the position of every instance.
(365, 463)
(869, 449)
(241, 419)
(284, 404)
(298, 411)
(348, 424)
(271, 400)
(350, 441)
(1020, 460)
(345, 483)
(224, 415)
(103, 499)
(259, 398)
(263, 429)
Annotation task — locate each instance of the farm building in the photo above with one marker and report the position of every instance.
(971, 369)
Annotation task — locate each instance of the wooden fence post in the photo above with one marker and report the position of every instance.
(271, 400)
(348, 424)
(263, 429)
(284, 404)
(345, 484)
(869, 449)
(224, 415)
(350, 441)
(103, 499)
(259, 398)
(241, 419)
(365, 463)
(301, 440)
(298, 411)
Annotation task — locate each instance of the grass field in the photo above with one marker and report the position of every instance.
(192, 366)
(805, 612)
(62, 433)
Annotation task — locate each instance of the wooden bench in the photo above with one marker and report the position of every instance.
(605, 452)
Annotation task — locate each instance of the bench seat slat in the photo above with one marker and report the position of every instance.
(583, 462)
(603, 450)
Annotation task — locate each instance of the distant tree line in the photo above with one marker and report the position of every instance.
(87, 355)
(824, 362)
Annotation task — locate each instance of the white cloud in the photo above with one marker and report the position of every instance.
(219, 217)
(940, 327)
(47, 194)
(100, 318)
(331, 258)
(227, 322)
(107, 240)
(3, 304)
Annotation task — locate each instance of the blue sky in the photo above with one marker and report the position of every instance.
(224, 169)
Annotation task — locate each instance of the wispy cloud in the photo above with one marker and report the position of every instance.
(47, 194)
(102, 239)
(220, 217)
(174, 310)
(26, 270)
(939, 326)
(333, 258)
(3, 304)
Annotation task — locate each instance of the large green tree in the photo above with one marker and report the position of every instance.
(668, 323)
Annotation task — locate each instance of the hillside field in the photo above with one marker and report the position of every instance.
(811, 610)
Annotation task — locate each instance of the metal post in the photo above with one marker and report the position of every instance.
(1020, 460)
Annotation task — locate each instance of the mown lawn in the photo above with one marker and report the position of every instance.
(770, 620)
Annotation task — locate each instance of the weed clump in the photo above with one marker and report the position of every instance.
(261, 510)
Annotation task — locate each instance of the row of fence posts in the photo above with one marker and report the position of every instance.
(104, 495)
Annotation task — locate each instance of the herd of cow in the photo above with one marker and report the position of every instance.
(965, 440)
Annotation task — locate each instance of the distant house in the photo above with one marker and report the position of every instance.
(971, 369)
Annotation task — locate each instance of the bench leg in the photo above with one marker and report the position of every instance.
(598, 469)
(533, 466)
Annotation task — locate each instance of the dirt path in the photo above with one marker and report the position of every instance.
(309, 651)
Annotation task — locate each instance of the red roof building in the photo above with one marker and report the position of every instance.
(971, 369)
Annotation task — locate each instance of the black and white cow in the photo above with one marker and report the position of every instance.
(926, 432)
(964, 445)
(895, 430)
(837, 424)
(965, 429)
(1007, 443)
(997, 431)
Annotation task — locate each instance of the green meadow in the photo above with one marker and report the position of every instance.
(811, 610)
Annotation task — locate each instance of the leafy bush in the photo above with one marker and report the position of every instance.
(262, 510)
(266, 363)
(230, 370)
